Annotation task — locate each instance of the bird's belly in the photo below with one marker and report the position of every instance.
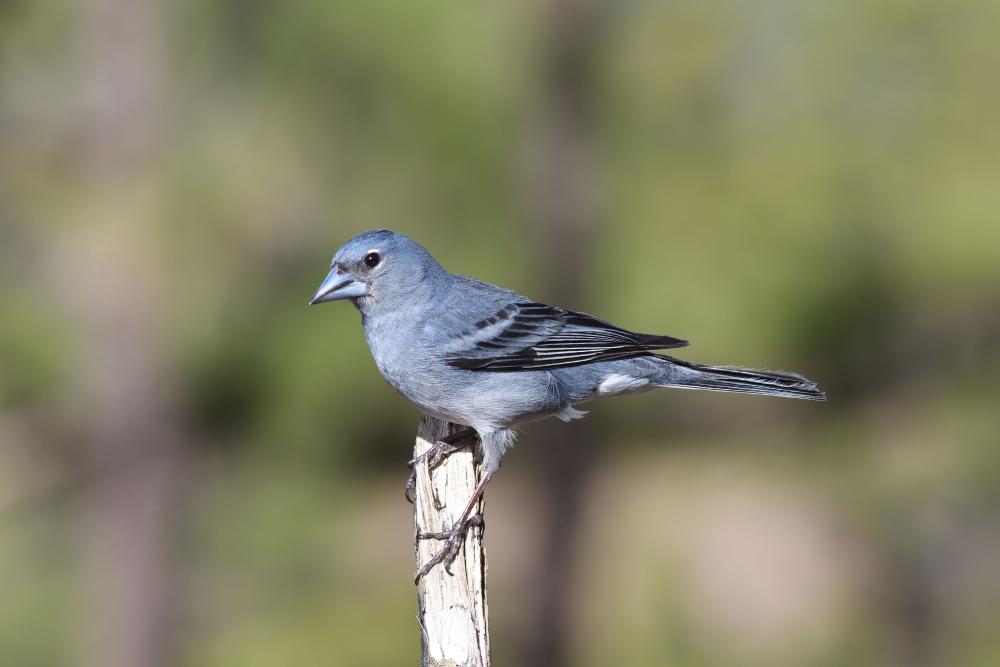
(481, 399)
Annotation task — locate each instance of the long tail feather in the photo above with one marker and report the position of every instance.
(740, 380)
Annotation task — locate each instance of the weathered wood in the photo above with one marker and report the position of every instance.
(453, 613)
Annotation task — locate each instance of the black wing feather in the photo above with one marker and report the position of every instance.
(533, 336)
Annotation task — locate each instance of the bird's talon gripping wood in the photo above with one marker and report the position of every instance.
(435, 456)
(453, 538)
(448, 445)
(411, 487)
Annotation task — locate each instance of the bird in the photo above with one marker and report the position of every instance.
(489, 360)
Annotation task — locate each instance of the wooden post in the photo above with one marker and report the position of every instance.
(453, 614)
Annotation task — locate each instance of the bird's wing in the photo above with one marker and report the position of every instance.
(524, 335)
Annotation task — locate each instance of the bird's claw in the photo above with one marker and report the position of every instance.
(411, 488)
(453, 538)
(435, 456)
(411, 483)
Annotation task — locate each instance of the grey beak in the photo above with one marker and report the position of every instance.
(338, 286)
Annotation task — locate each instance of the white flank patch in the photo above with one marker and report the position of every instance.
(569, 413)
(617, 383)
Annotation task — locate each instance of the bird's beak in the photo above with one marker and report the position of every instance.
(338, 285)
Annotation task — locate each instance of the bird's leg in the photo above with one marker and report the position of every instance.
(454, 537)
(438, 452)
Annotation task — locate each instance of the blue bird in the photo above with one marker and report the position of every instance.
(489, 359)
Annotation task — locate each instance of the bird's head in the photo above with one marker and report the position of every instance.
(381, 268)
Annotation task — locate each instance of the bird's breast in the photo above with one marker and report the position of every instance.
(398, 354)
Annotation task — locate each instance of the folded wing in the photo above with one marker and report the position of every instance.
(530, 336)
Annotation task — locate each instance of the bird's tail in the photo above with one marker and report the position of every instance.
(740, 380)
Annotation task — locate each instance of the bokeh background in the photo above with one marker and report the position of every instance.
(197, 470)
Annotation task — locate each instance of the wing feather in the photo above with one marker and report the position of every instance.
(525, 335)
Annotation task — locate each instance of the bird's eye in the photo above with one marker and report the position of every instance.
(372, 259)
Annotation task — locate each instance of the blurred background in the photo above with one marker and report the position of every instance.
(197, 470)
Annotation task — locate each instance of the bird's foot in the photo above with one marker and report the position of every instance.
(453, 538)
(436, 455)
